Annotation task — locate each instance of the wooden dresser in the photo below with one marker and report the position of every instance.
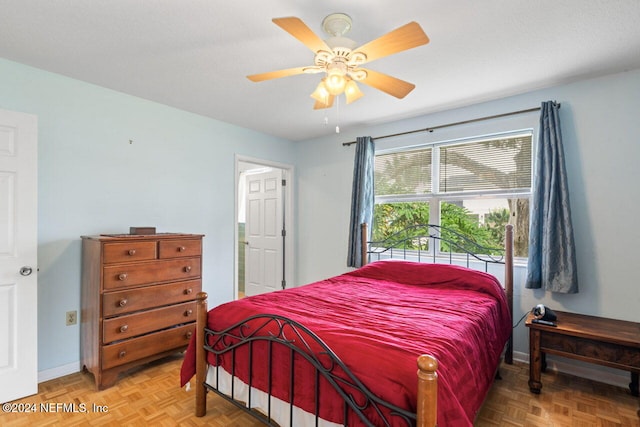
(138, 299)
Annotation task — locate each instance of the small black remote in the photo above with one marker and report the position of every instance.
(543, 322)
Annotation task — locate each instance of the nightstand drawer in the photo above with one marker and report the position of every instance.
(143, 322)
(179, 248)
(122, 276)
(130, 300)
(148, 345)
(129, 252)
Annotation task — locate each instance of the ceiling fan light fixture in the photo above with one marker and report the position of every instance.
(321, 94)
(335, 81)
(352, 92)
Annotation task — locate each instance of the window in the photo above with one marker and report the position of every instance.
(473, 186)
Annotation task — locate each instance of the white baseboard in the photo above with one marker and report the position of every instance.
(593, 372)
(60, 371)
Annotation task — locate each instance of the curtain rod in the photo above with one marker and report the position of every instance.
(431, 129)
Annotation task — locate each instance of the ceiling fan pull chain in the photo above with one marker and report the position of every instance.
(337, 114)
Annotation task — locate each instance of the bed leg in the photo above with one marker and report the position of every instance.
(427, 408)
(201, 361)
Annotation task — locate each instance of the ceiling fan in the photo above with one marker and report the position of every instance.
(340, 58)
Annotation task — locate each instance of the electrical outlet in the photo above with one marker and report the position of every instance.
(72, 317)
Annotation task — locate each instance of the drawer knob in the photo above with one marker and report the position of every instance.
(181, 249)
(188, 334)
(187, 269)
(188, 291)
(124, 328)
(122, 277)
(188, 313)
(123, 302)
(132, 252)
(122, 354)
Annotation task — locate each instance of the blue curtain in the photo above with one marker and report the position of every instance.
(552, 255)
(362, 197)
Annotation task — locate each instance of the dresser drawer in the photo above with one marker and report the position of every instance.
(179, 248)
(127, 301)
(148, 345)
(122, 276)
(129, 252)
(143, 322)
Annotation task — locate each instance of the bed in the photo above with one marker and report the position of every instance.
(393, 343)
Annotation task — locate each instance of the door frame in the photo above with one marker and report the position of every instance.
(287, 193)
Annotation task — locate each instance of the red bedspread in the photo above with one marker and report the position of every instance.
(380, 318)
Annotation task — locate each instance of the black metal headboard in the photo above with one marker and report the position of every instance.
(420, 243)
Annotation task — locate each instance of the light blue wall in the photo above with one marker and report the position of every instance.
(601, 128)
(176, 175)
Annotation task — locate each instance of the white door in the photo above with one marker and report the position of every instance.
(264, 254)
(18, 255)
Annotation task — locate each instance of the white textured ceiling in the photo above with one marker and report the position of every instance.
(195, 54)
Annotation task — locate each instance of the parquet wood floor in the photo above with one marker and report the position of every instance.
(151, 396)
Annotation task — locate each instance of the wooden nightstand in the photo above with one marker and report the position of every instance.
(608, 342)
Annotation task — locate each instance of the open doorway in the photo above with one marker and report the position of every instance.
(264, 230)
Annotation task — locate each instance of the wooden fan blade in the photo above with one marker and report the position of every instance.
(387, 84)
(320, 105)
(276, 74)
(406, 37)
(299, 30)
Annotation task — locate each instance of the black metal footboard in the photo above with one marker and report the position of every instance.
(284, 341)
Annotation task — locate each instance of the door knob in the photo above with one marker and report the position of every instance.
(26, 270)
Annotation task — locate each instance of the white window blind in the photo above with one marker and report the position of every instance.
(403, 173)
(477, 166)
(496, 164)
